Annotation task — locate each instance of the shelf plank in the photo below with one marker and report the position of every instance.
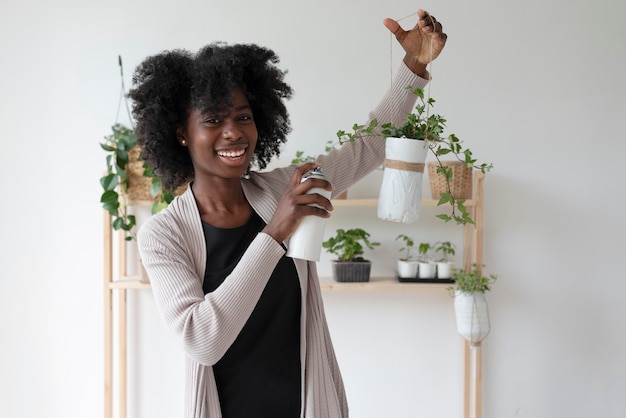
(326, 283)
(374, 202)
(378, 283)
(129, 282)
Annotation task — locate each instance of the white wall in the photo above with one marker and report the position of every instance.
(535, 87)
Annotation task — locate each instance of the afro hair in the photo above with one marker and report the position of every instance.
(168, 86)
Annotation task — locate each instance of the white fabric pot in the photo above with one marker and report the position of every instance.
(400, 197)
(472, 315)
(444, 269)
(427, 270)
(407, 269)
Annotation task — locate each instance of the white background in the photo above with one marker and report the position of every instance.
(536, 87)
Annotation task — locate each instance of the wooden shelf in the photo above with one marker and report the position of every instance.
(326, 283)
(115, 314)
(378, 283)
(129, 282)
(374, 202)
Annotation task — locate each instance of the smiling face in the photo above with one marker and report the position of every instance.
(221, 143)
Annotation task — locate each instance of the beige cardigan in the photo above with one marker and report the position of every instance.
(173, 250)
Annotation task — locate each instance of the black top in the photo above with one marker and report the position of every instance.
(259, 376)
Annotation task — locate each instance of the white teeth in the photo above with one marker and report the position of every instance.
(231, 154)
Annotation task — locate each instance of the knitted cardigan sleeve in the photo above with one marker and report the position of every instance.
(173, 251)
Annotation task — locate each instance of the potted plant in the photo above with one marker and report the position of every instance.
(405, 153)
(445, 250)
(407, 266)
(127, 177)
(470, 302)
(348, 246)
(427, 268)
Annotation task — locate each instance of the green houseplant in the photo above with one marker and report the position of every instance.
(470, 302)
(122, 152)
(423, 126)
(427, 268)
(406, 266)
(472, 280)
(349, 247)
(444, 250)
(122, 163)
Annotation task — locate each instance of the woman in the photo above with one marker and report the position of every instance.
(251, 320)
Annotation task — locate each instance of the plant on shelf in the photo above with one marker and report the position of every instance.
(407, 267)
(349, 247)
(427, 268)
(445, 250)
(470, 302)
(407, 250)
(421, 125)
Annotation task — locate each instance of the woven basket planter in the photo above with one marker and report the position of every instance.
(138, 185)
(461, 183)
(138, 188)
(351, 271)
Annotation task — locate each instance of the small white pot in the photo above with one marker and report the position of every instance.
(444, 269)
(427, 270)
(400, 197)
(407, 269)
(472, 316)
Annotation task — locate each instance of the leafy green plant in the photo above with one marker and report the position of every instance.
(446, 249)
(114, 182)
(421, 125)
(425, 252)
(118, 145)
(349, 245)
(471, 281)
(408, 247)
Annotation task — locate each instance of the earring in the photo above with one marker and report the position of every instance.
(183, 142)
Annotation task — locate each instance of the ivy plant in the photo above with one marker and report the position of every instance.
(421, 125)
(114, 182)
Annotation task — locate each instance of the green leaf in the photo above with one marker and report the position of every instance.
(109, 182)
(111, 207)
(109, 196)
(155, 187)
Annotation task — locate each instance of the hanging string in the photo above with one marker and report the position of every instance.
(123, 97)
(428, 67)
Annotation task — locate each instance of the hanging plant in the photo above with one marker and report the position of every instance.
(422, 126)
(120, 146)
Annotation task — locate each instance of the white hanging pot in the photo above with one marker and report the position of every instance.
(472, 315)
(400, 197)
